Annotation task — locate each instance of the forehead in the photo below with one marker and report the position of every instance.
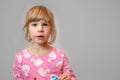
(39, 21)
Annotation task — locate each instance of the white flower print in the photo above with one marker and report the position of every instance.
(59, 64)
(37, 62)
(26, 69)
(68, 66)
(19, 57)
(17, 75)
(26, 54)
(62, 55)
(43, 72)
(52, 56)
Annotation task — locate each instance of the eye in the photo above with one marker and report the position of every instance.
(34, 24)
(45, 24)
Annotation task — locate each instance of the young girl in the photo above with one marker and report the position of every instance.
(41, 61)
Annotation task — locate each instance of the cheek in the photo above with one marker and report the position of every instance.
(31, 31)
(48, 33)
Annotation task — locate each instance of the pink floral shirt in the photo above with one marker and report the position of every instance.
(28, 66)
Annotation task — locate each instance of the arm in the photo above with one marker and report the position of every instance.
(17, 68)
(67, 70)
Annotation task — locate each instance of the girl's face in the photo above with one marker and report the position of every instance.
(39, 31)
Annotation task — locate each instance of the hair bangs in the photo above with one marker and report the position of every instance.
(38, 14)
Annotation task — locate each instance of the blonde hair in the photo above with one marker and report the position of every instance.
(37, 13)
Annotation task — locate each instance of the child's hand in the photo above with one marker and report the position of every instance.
(65, 76)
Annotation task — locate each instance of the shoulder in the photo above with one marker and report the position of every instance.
(59, 52)
(22, 54)
(18, 57)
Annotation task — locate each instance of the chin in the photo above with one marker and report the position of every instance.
(41, 42)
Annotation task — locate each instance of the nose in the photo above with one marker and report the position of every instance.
(40, 29)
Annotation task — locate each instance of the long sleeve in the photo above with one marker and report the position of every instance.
(67, 68)
(17, 68)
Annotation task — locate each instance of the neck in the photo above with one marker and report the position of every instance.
(39, 49)
(39, 46)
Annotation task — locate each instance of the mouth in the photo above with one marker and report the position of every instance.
(41, 37)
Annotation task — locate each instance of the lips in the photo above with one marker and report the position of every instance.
(41, 37)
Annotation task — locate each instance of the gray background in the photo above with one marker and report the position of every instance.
(88, 31)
